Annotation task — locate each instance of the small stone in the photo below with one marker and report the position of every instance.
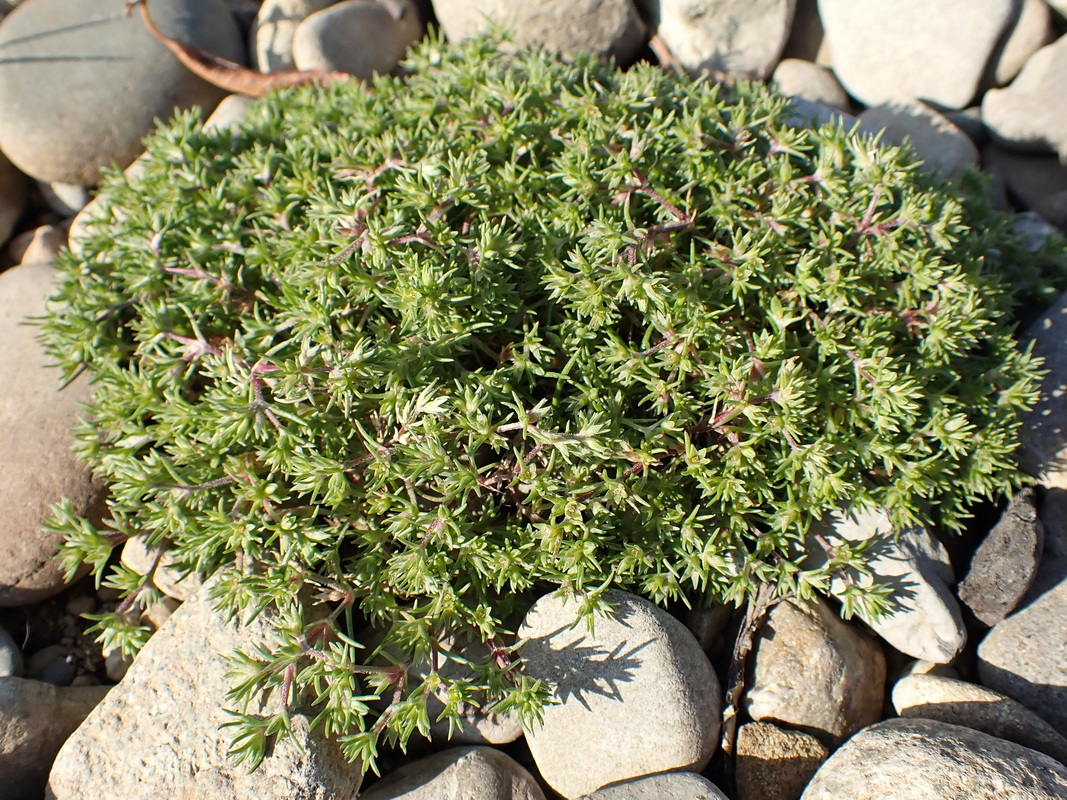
(12, 197)
(930, 668)
(38, 246)
(913, 49)
(81, 604)
(35, 719)
(1030, 179)
(774, 763)
(924, 619)
(1005, 563)
(167, 577)
(640, 673)
(738, 37)
(167, 714)
(229, 113)
(64, 198)
(1029, 114)
(922, 759)
(461, 773)
(798, 78)
(116, 665)
(36, 418)
(1025, 656)
(944, 149)
(969, 120)
(662, 786)
(63, 118)
(813, 671)
(271, 37)
(361, 37)
(1029, 32)
(602, 27)
(708, 624)
(809, 114)
(10, 657)
(51, 664)
(159, 613)
(973, 706)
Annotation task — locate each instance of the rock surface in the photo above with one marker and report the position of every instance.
(912, 49)
(1025, 656)
(167, 577)
(973, 706)
(815, 672)
(924, 620)
(1029, 32)
(774, 763)
(36, 417)
(663, 786)
(1030, 114)
(360, 37)
(1005, 563)
(12, 197)
(640, 674)
(81, 83)
(921, 759)
(798, 78)
(739, 37)
(944, 149)
(460, 773)
(603, 27)
(1043, 439)
(167, 712)
(35, 719)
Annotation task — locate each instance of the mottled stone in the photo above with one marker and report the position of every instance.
(461, 773)
(662, 786)
(774, 763)
(640, 675)
(973, 706)
(811, 670)
(922, 759)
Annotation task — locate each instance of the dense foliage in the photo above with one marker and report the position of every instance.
(509, 324)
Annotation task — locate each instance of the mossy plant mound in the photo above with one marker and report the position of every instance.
(509, 324)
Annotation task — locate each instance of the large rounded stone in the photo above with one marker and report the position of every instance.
(775, 763)
(913, 49)
(36, 417)
(81, 83)
(920, 759)
(635, 696)
(813, 671)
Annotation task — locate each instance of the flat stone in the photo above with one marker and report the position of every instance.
(913, 49)
(640, 674)
(944, 149)
(36, 417)
(1025, 656)
(1005, 563)
(798, 78)
(662, 786)
(973, 706)
(81, 83)
(812, 671)
(738, 37)
(1042, 451)
(1029, 31)
(12, 197)
(167, 714)
(270, 41)
(602, 27)
(922, 759)
(774, 763)
(924, 619)
(1029, 114)
(460, 773)
(361, 37)
(35, 719)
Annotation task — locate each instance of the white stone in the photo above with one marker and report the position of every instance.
(804, 79)
(361, 37)
(1030, 31)
(270, 41)
(1030, 114)
(739, 37)
(634, 697)
(924, 620)
(913, 49)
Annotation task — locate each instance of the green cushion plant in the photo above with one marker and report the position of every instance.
(507, 325)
